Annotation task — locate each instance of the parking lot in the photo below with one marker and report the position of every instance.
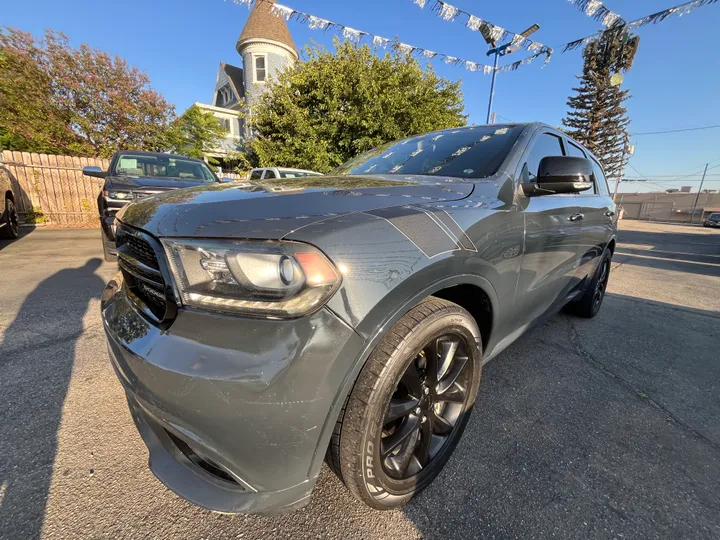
(603, 428)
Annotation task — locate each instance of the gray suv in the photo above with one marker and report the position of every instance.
(259, 331)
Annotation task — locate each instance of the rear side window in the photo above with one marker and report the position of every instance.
(269, 173)
(256, 174)
(574, 150)
(600, 180)
(546, 144)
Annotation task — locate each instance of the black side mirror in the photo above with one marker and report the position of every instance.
(561, 174)
(94, 171)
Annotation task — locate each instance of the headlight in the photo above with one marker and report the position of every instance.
(260, 278)
(118, 195)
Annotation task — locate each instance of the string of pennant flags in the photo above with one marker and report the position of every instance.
(449, 12)
(592, 8)
(597, 11)
(355, 36)
(655, 18)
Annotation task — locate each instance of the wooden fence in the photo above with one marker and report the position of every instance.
(52, 189)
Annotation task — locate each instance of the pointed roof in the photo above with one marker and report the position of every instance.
(263, 24)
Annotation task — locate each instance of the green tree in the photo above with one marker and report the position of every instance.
(107, 104)
(196, 133)
(336, 105)
(29, 118)
(597, 117)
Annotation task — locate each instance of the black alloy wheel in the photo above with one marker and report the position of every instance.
(12, 224)
(601, 285)
(409, 405)
(589, 303)
(425, 407)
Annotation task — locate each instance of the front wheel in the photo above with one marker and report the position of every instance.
(409, 406)
(12, 224)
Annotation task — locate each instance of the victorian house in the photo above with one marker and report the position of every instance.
(265, 47)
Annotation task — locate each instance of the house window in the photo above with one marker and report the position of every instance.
(225, 123)
(259, 69)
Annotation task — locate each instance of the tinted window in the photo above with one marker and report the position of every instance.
(474, 152)
(574, 150)
(544, 145)
(600, 180)
(270, 174)
(256, 174)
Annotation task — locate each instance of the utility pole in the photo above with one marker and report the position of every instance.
(502, 50)
(692, 214)
(617, 185)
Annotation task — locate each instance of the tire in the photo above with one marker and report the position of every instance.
(396, 418)
(11, 229)
(109, 257)
(590, 302)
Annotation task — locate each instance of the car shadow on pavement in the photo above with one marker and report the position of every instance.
(600, 428)
(38, 351)
(24, 231)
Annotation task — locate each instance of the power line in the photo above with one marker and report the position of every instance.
(645, 177)
(676, 130)
(676, 178)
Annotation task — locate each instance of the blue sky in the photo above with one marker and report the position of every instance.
(675, 82)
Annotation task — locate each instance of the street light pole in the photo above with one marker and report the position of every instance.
(692, 214)
(502, 50)
(492, 84)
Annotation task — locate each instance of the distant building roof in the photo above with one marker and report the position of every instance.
(235, 74)
(263, 24)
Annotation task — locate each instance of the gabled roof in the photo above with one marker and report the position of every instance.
(235, 74)
(263, 24)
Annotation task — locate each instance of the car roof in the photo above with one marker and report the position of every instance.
(285, 169)
(157, 154)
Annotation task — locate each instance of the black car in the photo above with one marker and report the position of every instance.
(713, 220)
(263, 328)
(136, 175)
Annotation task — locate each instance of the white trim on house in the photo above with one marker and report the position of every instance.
(241, 45)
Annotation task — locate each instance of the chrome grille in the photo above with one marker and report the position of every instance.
(141, 262)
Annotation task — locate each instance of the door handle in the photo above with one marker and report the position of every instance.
(576, 217)
(609, 213)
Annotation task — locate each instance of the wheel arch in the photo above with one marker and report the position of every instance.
(450, 288)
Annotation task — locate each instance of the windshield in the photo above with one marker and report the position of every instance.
(163, 167)
(715, 217)
(473, 152)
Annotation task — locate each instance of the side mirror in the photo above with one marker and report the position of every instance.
(561, 174)
(94, 171)
(226, 180)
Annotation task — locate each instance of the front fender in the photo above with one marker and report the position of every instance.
(389, 265)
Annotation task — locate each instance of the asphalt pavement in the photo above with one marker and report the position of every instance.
(603, 428)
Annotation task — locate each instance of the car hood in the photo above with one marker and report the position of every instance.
(140, 183)
(274, 208)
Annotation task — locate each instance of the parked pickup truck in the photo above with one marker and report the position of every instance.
(259, 330)
(136, 175)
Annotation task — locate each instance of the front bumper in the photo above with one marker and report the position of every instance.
(234, 411)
